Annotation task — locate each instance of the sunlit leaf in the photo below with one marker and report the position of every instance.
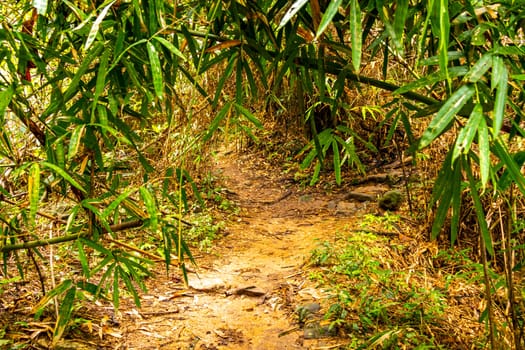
(33, 190)
(294, 8)
(40, 6)
(156, 70)
(96, 24)
(356, 34)
(331, 11)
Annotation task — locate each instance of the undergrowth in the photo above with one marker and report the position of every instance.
(387, 294)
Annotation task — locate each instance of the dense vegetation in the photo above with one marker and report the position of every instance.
(92, 91)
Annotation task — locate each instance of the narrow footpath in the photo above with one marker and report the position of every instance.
(245, 293)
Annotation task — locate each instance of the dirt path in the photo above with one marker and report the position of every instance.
(247, 289)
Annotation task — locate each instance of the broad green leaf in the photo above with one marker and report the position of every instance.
(170, 47)
(484, 152)
(156, 70)
(40, 6)
(479, 68)
(64, 314)
(331, 11)
(65, 175)
(294, 8)
(96, 24)
(468, 132)
(446, 115)
(33, 191)
(356, 34)
(151, 208)
(501, 94)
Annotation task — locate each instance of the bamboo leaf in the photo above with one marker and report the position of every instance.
(356, 33)
(170, 47)
(512, 168)
(432, 78)
(92, 55)
(129, 285)
(33, 191)
(101, 80)
(455, 188)
(64, 175)
(337, 161)
(156, 70)
(468, 132)
(227, 73)
(96, 24)
(217, 120)
(331, 11)
(481, 67)
(400, 17)
(64, 314)
(82, 257)
(484, 152)
(75, 141)
(501, 94)
(151, 208)
(61, 288)
(5, 98)
(249, 115)
(116, 290)
(113, 205)
(294, 8)
(446, 115)
(480, 213)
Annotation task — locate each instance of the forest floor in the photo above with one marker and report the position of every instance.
(254, 288)
(245, 293)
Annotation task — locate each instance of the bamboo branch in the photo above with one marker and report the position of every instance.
(67, 238)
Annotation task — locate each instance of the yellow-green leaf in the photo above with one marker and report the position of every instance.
(356, 33)
(156, 71)
(33, 191)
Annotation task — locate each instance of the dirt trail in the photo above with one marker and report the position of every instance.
(247, 289)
